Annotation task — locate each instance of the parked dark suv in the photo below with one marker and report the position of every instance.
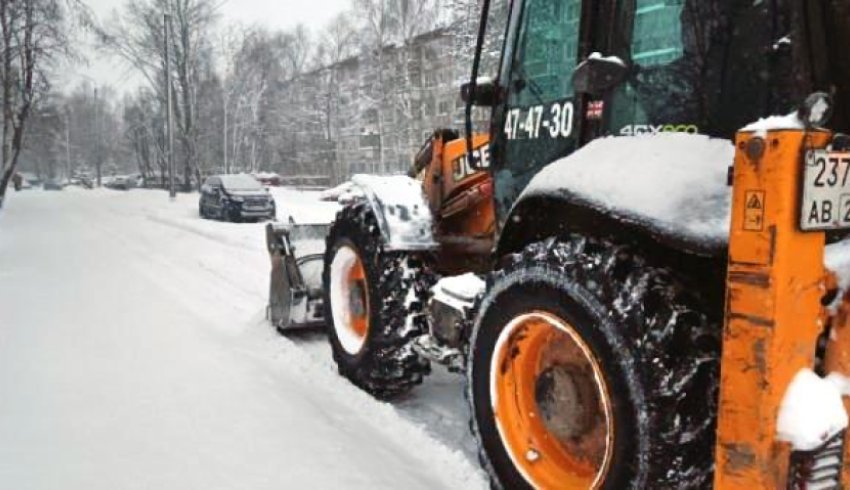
(236, 198)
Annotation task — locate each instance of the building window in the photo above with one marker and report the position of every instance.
(369, 141)
(371, 116)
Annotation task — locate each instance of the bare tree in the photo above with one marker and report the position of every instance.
(145, 137)
(137, 36)
(338, 43)
(93, 127)
(229, 43)
(33, 35)
(412, 19)
(376, 17)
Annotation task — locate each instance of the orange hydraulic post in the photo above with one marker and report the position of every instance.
(773, 306)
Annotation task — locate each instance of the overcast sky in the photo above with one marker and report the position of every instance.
(270, 13)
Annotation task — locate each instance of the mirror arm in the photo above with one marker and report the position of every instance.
(473, 83)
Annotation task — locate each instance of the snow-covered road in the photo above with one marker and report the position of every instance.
(134, 354)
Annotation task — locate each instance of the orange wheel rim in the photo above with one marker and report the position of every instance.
(349, 299)
(359, 306)
(552, 406)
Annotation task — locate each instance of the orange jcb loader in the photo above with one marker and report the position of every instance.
(634, 287)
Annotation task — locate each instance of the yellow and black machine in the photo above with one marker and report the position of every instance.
(631, 283)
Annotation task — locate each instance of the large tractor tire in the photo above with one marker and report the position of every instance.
(590, 368)
(372, 307)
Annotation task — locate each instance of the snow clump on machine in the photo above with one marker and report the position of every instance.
(404, 217)
(775, 123)
(837, 260)
(811, 413)
(459, 292)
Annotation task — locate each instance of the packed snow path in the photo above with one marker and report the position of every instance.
(134, 354)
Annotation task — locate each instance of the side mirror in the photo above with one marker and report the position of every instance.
(598, 75)
(816, 111)
(486, 93)
(206, 189)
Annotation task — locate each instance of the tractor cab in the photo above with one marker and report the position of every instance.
(575, 71)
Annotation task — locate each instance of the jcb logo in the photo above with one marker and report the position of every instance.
(461, 168)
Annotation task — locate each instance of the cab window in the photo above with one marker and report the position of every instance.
(657, 32)
(655, 45)
(546, 53)
(698, 66)
(537, 123)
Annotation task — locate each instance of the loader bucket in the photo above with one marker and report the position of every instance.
(295, 290)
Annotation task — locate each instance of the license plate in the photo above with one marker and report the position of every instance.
(826, 191)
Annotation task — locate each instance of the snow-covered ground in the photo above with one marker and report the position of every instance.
(134, 354)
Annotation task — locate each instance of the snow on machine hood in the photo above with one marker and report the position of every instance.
(674, 183)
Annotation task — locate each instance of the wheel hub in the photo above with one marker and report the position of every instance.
(551, 403)
(567, 400)
(357, 298)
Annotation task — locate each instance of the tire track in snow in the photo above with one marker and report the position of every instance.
(435, 411)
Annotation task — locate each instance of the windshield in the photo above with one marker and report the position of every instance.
(242, 182)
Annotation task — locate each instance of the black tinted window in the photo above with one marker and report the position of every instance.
(708, 66)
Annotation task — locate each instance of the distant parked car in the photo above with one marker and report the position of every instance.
(20, 182)
(236, 198)
(29, 180)
(82, 181)
(53, 185)
(269, 179)
(119, 183)
(137, 181)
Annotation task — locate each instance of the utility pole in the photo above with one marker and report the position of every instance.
(68, 144)
(169, 112)
(226, 161)
(98, 159)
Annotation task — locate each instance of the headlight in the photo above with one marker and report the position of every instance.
(237, 198)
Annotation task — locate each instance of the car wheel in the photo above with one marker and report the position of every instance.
(234, 216)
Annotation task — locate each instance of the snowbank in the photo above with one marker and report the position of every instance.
(811, 412)
(673, 182)
(153, 366)
(303, 207)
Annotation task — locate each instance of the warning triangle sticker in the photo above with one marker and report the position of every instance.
(754, 202)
